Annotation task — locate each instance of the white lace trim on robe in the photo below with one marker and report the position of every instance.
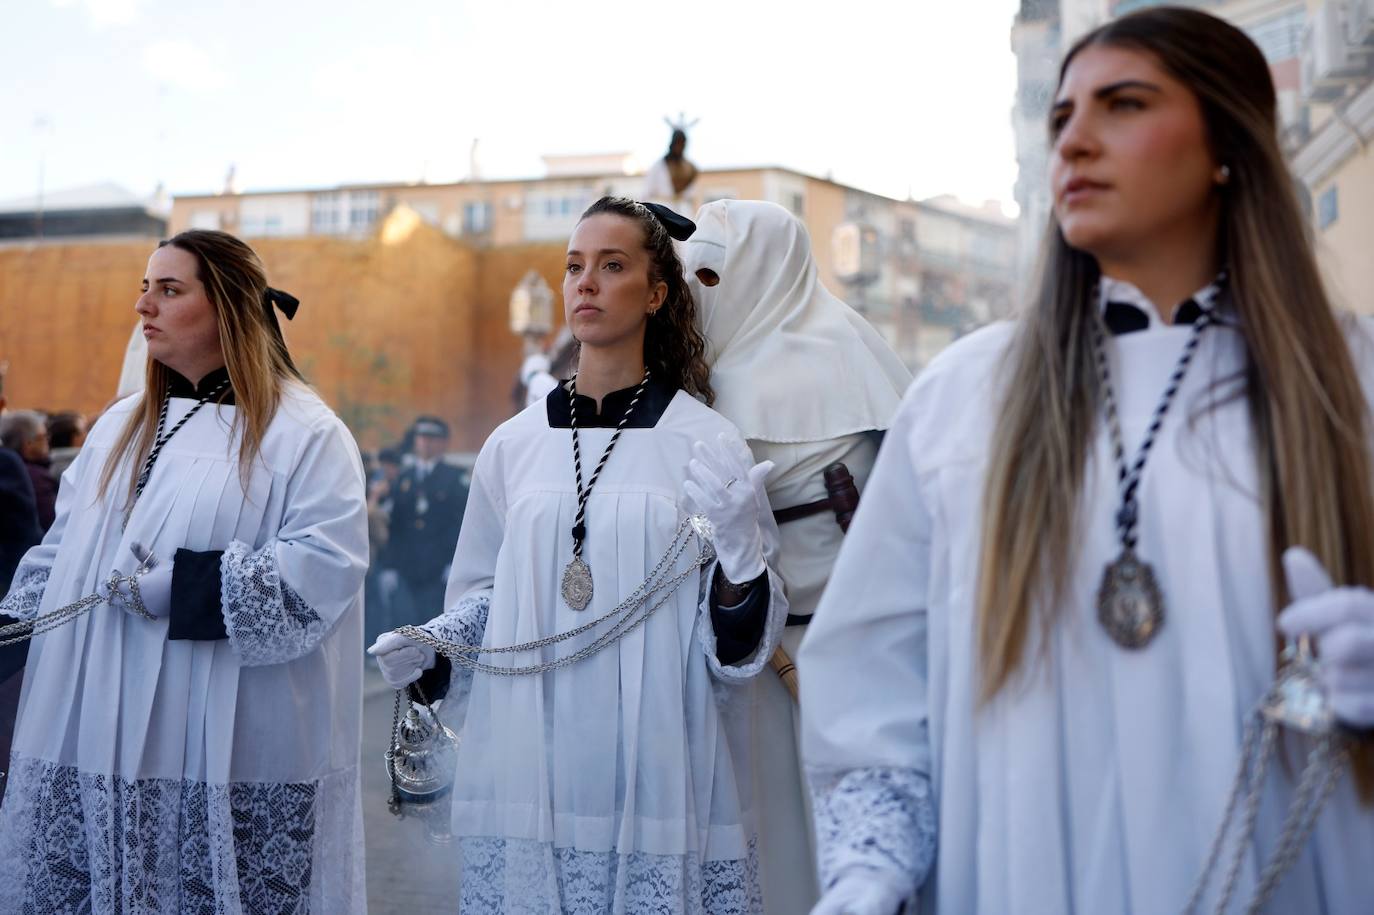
(75, 841)
(535, 878)
(26, 591)
(465, 624)
(268, 623)
(879, 819)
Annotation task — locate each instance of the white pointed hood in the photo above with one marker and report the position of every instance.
(771, 328)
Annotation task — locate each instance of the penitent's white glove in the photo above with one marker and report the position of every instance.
(401, 659)
(859, 894)
(154, 586)
(724, 484)
(1342, 622)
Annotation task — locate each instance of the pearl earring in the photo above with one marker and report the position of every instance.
(1224, 174)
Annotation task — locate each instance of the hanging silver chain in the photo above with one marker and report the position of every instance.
(27, 629)
(1325, 762)
(464, 655)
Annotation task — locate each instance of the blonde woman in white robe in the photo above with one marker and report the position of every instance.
(808, 382)
(197, 751)
(615, 781)
(994, 711)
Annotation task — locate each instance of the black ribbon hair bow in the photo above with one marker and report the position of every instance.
(286, 303)
(679, 227)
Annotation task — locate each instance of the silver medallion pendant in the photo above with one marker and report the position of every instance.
(1129, 604)
(577, 584)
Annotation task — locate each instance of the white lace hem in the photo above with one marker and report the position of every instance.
(267, 622)
(880, 819)
(26, 592)
(537, 878)
(74, 841)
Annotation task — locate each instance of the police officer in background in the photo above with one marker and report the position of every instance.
(426, 512)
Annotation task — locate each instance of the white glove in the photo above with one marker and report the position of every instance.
(402, 660)
(724, 485)
(1342, 622)
(862, 893)
(154, 586)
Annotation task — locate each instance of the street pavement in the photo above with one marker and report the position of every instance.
(406, 873)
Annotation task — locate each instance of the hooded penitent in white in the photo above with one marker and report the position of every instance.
(807, 381)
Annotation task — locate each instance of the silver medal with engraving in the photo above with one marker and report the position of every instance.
(1129, 604)
(577, 584)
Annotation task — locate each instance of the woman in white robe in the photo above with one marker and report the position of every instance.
(808, 382)
(972, 728)
(619, 782)
(201, 758)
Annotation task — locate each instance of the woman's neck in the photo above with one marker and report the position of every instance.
(603, 370)
(1169, 272)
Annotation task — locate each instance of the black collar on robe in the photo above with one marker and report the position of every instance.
(649, 410)
(1127, 318)
(180, 387)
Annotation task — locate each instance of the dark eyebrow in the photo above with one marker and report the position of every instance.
(603, 251)
(1112, 89)
(161, 280)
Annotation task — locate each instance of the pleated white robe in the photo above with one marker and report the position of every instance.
(158, 776)
(1095, 782)
(619, 783)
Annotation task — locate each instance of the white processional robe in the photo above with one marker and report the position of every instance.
(808, 382)
(619, 783)
(1095, 781)
(218, 777)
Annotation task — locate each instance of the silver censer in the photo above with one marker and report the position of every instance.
(421, 765)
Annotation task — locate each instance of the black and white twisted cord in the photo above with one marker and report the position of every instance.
(1128, 477)
(579, 530)
(161, 440)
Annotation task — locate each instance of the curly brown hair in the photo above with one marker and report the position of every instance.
(674, 349)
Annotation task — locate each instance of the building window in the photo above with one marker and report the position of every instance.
(1328, 208)
(476, 217)
(906, 229)
(342, 212)
(798, 204)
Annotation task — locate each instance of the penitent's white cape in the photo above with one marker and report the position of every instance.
(619, 783)
(1096, 782)
(805, 378)
(215, 777)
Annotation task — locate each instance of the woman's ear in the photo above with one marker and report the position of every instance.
(657, 296)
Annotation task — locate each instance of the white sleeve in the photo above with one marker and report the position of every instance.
(862, 667)
(280, 600)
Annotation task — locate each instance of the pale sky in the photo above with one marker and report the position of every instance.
(893, 96)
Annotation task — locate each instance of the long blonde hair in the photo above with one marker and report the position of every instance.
(251, 340)
(1301, 387)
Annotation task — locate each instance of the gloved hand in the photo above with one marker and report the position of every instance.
(402, 660)
(154, 586)
(861, 893)
(725, 486)
(1341, 620)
